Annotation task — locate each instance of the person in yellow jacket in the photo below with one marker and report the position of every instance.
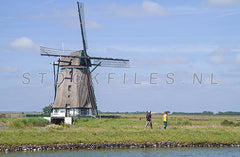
(165, 119)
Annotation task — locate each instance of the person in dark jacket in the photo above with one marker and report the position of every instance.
(148, 120)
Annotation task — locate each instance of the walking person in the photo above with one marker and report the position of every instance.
(165, 119)
(148, 120)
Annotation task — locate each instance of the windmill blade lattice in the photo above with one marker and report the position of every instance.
(100, 61)
(51, 51)
(106, 62)
(82, 25)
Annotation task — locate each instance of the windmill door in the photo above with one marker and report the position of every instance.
(67, 110)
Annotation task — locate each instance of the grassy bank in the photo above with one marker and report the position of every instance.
(129, 128)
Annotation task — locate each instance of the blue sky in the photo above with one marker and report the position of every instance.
(167, 42)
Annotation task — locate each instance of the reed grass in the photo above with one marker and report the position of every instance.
(25, 122)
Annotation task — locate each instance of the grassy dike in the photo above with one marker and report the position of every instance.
(129, 128)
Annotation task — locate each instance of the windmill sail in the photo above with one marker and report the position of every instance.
(82, 25)
(105, 62)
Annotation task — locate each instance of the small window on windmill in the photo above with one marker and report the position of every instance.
(69, 87)
(68, 96)
(70, 72)
(67, 105)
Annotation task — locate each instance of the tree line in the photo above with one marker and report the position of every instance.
(208, 113)
(48, 109)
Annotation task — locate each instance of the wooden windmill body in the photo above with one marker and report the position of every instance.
(74, 92)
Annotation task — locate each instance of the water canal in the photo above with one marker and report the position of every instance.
(140, 152)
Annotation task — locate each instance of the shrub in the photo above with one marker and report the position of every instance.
(187, 123)
(37, 121)
(27, 122)
(75, 120)
(237, 124)
(227, 123)
(85, 120)
(4, 120)
(16, 124)
(174, 128)
(63, 124)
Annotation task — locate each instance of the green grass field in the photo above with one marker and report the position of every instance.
(128, 128)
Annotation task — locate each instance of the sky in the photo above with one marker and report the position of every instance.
(184, 55)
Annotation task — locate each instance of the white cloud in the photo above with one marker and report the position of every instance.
(93, 25)
(238, 59)
(162, 61)
(216, 59)
(223, 2)
(153, 8)
(186, 49)
(24, 43)
(224, 54)
(66, 17)
(226, 49)
(9, 69)
(223, 7)
(186, 10)
(230, 13)
(174, 60)
(128, 11)
(147, 8)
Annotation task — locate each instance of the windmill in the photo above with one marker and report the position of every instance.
(74, 92)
